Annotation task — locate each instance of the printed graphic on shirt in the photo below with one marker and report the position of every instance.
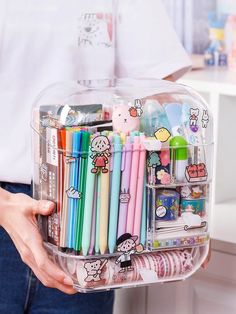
(95, 29)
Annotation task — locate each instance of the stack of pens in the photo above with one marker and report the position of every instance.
(99, 184)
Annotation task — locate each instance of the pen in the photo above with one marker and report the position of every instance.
(89, 202)
(82, 189)
(125, 181)
(144, 216)
(104, 207)
(93, 224)
(133, 184)
(115, 188)
(67, 165)
(73, 201)
(139, 193)
(98, 205)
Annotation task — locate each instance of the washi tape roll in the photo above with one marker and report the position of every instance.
(195, 206)
(167, 205)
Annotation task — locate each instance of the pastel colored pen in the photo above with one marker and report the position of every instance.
(179, 157)
(103, 227)
(125, 182)
(66, 185)
(98, 205)
(174, 115)
(93, 224)
(139, 193)
(73, 200)
(133, 184)
(115, 189)
(89, 201)
(144, 216)
(82, 189)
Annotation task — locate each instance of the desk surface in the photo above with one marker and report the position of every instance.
(220, 80)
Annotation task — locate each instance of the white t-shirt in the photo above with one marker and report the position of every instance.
(39, 46)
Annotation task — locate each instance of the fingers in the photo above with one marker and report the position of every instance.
(42, 273)
(42, 207)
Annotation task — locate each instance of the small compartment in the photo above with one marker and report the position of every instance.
(129, 171)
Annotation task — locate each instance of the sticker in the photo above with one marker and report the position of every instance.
(73, 193)
(100, 146)
(94, 269)
(137, 109)
(162, 134)
(126, 244)
(194, 113)
(161, 211)
(205, 119)
(124, 196)
(163, 176)
(43, 170)
(196, 172)
(154, 160)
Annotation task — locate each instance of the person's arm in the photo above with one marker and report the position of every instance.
(147, 44)
(18, 217)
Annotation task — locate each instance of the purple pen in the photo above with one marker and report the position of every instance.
(125, 182)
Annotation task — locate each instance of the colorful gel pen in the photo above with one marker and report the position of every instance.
(133, 184)
(115, 189)
(139, 193)
(89, 202)
(74, 171)
(125, 182)
(82, 189)
(98, 206)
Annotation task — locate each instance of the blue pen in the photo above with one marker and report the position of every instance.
(73, 193)
(115, 191)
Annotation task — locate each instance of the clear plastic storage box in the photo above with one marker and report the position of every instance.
(129, 169)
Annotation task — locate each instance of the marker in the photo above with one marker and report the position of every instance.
(97, 233)
(125, 182)
(103, 227)
(179, 157)
(74, 174)
(89, 202)
(133, 184)
(93, 224)
(115, 189)
(82, 189)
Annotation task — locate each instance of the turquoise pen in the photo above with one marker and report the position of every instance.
(115, 191)
(87, 223)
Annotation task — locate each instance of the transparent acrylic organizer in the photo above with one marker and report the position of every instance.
(155, 224)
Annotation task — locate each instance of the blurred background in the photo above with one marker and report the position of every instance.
(207, 29)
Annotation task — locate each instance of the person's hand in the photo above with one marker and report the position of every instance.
(18, 217)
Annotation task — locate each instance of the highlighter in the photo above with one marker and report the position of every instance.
(179, 157)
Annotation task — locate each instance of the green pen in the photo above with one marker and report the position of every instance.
(82, 187)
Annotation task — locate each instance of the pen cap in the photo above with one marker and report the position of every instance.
(180, 148)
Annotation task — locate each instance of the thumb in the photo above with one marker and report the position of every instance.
(43, 207)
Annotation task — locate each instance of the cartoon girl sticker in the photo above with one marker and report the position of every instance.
(100, 146)
(126, 244)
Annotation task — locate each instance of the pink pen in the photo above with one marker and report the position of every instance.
(139, 194)
(133, 184)
(125, 180)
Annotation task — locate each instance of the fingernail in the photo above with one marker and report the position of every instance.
(68, 281)
(47, 205)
